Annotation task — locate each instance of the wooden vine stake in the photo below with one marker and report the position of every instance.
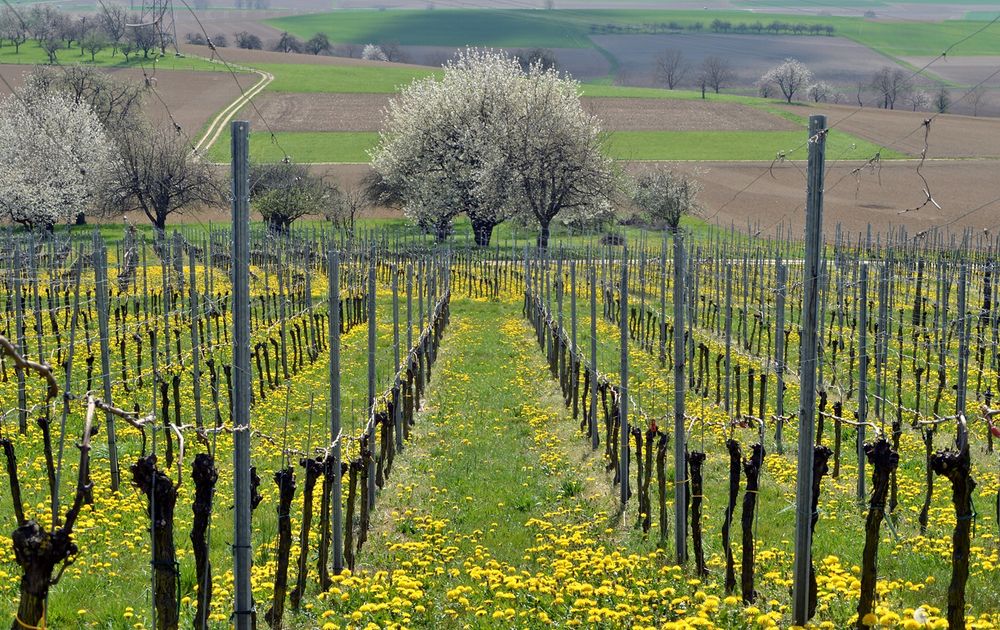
(883, 461)
(957, 467)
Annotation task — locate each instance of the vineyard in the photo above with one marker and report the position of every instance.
(125, 350)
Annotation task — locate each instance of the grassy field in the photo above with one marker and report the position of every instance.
(31, 53)
(301, 146)
(349, 146)
(571, 28)
(729, 145)
(340, 79)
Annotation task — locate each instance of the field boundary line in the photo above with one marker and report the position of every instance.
(217, 125)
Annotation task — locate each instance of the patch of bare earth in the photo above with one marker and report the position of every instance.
(951, 136)
(644, 114)
(364, 112)
(880, 198)
(192, 97)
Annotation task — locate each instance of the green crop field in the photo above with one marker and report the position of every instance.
(572, 28)
(340, 79)
(31, 54)
(349, 146)
(302, 146)
(728, 145)
(448, 27)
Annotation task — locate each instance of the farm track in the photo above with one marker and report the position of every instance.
(218, 124)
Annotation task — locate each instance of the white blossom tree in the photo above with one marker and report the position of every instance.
(439, 136)
(820, 92)
(55, 158)
(790, 76)
(371, 52)
(491, 139)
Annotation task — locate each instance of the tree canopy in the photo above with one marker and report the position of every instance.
(491, 139)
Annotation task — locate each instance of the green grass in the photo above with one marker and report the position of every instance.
(982, 15)
(350, 146)
(302, 146)
(572, 28)
(730, 145)
(31, 53)
(441, 27)
(340, 79)
(600, 90)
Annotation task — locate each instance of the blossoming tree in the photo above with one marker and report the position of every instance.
(491, 140)
(55, 157)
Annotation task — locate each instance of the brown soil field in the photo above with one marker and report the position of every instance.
(364, 112)
(951, 136)
(319, 112)
(193, 97)
(779, 197)
(832, 59)
(877, 198)
(643, 114)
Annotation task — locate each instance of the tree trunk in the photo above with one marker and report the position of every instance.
(483, 232)
(821, 456)
(543, 233)
(314, 468)
(285, 479)
(883, 461)
(734, 490)
(751, 467)
(205, 475)
(37, 551)
(161, 494)
(957, 467)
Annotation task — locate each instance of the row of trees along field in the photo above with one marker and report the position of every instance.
(774, 27)
(75, 142)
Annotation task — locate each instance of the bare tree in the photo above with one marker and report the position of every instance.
(157, 174)
(671, 68)
(664, 196)
(346, 206)
(115, 102)
(975, 97)
(287, 43)
(318, 44)
(859, 90)
(942, 100)
(394, 52)
(716, 73)
(918, 99)
(113, 19)
(891, 84)
(14, 28)
(543, 56)
(283, 192)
